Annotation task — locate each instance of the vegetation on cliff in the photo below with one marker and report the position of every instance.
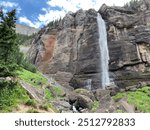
(140, 99)
(136, 4)
(25, 39)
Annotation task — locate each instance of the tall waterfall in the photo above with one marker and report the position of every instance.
(104, 53)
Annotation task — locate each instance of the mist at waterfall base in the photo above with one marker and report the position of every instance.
(104, 52)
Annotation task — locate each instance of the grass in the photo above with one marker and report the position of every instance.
(140, 98)
(48, 95)
(34, 79)
(44, 107)
(11, 97)
(32, 110)
(119, 111)
(58, 91)
(31, 102)
(39, 81)
(95, 106)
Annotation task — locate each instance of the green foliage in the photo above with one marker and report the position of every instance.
(8, 69)
(8, 44)
(48, 95)
(35, 79)
(95, 106)
(5, 83)
(140, 98)
(58, 91)
(119, 111)
(54, 23)
(119, 96)
(134, 4)
(10, 95)
(25, 39)
(45, 106)
(32, 110)
(25, 63)
(31, 102)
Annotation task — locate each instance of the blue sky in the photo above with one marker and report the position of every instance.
(36, 13)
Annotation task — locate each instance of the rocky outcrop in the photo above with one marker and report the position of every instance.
(70, 52)
(129, 43)
(73, 55)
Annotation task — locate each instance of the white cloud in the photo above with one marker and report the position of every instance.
(29, 23)
(73, 5)
(8, 4)
(60, 8)
(18, 9)
(51, 15)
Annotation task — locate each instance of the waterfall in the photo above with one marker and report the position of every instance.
(88, 84)
(104, 54)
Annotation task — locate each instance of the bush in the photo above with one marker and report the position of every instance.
(10, 95)
(140, 98)
(133, 5)
(32, 103)
(25, 39)
(25, 63)
(44, 107)
(95, 106)
(32, 111)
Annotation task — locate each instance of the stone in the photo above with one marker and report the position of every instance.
(129, 88)
(85, 93)
(72, 98)
(102, 95)
(83, 102)
(81, 98)
(62, 106)
(8, 78)
(128, 108)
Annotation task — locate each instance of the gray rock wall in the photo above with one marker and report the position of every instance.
(76, 58)
(129, 44)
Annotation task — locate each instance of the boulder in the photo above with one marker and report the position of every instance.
(83, 102)
(102, 95)
(85, 93)
(126, 106)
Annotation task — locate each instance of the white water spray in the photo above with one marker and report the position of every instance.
(104, 53)
(88, 84)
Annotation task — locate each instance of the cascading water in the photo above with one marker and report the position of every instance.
(104, 53)
(88, 84)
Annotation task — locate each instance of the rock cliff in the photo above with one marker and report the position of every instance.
(129, 43)
(69, 52)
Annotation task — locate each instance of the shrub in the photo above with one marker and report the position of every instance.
(25, 63)
(44, 107)
(32, 103)
(32, 111)
(10, 95)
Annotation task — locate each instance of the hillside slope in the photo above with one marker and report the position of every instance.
(25, 30)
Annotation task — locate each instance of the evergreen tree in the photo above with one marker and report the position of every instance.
(8, 44)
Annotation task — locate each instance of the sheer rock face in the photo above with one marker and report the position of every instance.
(72, 55)
(70, 52)
(129, 43)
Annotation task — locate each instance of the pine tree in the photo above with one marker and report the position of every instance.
(8, 44)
